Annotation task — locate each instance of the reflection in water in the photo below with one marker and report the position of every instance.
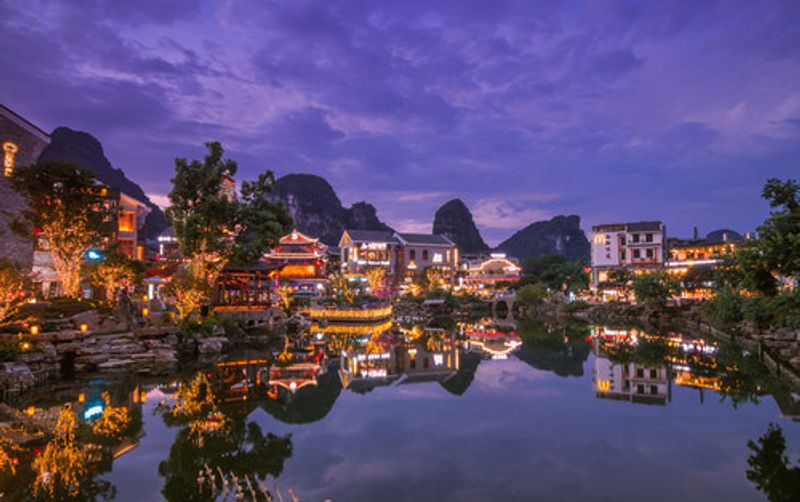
(770, 469)
(61, 452)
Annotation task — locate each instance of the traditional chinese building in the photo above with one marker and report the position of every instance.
(497, 268)
(301, 257)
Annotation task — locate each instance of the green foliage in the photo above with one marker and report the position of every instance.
(555, 271)
(261, 221)
(9, 351)
(73, 213)
(654, 289)
(576, 306)
(726, 308)
(531, 295)
(114, 272)
(769, 467)
(779, 235)
(778, 311)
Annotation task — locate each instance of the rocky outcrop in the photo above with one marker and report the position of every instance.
(85, 150)
(560, 235)
(317, 210)
(454, 221)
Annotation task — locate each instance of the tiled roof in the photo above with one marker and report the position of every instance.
(426, 239)
(370, 236)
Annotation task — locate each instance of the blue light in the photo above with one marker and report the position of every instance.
(93, 412)
(95, 255)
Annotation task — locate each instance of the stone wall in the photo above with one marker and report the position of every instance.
(29, 147)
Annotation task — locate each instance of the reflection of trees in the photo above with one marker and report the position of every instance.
(769, 467)
(209, 437)
(62, 471)
(562, 350)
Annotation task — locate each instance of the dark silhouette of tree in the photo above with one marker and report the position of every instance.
(769, 467)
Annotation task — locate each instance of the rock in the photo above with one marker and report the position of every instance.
(16, 378)
(116, 364)
(90, 318)
(212, 345)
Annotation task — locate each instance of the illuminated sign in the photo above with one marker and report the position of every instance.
(373, 245)
(94, 255)
(93, 412)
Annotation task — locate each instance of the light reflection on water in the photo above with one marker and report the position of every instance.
(474, 412)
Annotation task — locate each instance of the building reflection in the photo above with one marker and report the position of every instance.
(485, 339)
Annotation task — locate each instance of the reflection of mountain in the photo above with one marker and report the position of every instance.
(567, 361)
(460, 382)
(309, 404)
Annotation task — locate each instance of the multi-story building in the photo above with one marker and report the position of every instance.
(420, 252)
(364, 249)
(638, 247)
(301, 257)
(482, 272)
(131, 232)
(404, 256)
(22, 144)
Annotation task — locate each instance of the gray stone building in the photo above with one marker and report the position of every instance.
(22, 142)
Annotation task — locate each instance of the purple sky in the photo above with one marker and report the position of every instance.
(612, 110)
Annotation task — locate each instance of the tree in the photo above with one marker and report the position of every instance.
(112, 273)
(69, 212)
(188, 291)
(779, 235)
(531, 295)
(769, 467)
(14, 286)
(204, 212)
(654, 289)
(377, 281)
(555, 271)
(261, 221)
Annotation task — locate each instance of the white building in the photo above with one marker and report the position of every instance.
(639, 246)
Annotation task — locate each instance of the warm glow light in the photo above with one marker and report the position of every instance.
(81, 397)
(145, 312)
(34, 330)
(84, 328)
(10, 151)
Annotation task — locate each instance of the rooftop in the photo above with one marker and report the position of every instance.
(370, 236)
(440, 240)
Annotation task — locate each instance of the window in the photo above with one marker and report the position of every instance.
(412, 255)
(424, 255)
(127, 221)
(648, 237)
(653, 390)
(650, 253)
(640, 373)
(637, 253)
(653, 373)
(640, 389)
(437, 258)
(635, 237)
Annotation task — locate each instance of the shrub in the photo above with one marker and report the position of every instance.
(576, 306)
(726, 308)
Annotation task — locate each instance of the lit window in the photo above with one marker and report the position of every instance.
(437, 258)
(127, 221)
(10, 152)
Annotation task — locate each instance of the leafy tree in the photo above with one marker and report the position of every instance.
(212, 226)
(113, 272)
(555, 271)
(655, 289)
(531, 295)
(204, 211)
(188, 291)
(769, 467)
(261, 221)
(62, 465)
(377, 281)
(71, 211)
(779, 235)
(14, 286)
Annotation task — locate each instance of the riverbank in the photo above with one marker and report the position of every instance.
(779, 350)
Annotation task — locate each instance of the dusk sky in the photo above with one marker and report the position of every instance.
(610, 110)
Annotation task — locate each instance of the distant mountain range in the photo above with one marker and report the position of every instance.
(85, 150)
(318, 211)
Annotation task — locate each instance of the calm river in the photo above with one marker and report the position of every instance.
(471, 412)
